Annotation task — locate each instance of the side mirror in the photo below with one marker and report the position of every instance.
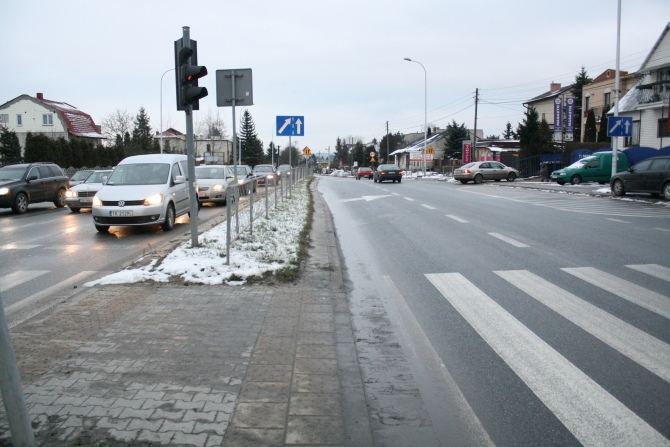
(31, 178)
(104, 179)
(179, 179)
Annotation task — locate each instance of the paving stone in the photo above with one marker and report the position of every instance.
(260, 415)
(319, 430)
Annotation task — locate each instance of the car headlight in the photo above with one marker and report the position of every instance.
(71, 194)
(240, 181)
(153, 200)
(97, 201)
(4, 191)
(217, 187)
(270, 176)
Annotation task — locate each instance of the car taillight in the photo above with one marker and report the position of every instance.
(467, 171)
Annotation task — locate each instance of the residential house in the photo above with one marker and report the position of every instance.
(55, 119)
(599, 94)
(211, 150)
(551, 107)
(647, 103)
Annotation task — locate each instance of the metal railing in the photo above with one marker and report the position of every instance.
(240, 217)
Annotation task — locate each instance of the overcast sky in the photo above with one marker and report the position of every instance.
(338, 63)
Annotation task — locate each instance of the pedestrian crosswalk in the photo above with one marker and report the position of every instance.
(589, 410)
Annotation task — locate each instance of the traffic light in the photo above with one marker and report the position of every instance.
(187, 73)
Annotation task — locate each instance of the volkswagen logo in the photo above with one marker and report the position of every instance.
(122, 203)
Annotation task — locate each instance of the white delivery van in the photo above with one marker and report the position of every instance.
(143, 190)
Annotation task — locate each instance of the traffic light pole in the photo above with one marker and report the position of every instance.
(190, 155)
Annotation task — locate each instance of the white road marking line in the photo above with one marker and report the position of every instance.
(408, 198)
(509, 240)
(639, 346)
(428, 206)
(656, 270)
(617, 220)
(457, 219)
(646, 298)
(661, 229)
(18, 247)
(593, 415)
(19, 277)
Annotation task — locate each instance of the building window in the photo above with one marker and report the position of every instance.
(19, 120)
(48, 119)
(587, 103)
(608, 99)
(663, 128)
(4, 119)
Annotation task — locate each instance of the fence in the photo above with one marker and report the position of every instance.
(261, 199)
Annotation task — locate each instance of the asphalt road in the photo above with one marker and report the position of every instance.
(48, 252)
(522, 317)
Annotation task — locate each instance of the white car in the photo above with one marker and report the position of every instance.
(81, 195)
(213, 181)
(144, 190)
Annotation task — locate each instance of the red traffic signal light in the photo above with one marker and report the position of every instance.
(187, 73)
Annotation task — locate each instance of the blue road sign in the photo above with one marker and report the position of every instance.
(290, 126)
(619, 126)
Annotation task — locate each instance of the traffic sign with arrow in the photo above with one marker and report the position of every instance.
(619, 126)
(290, 126)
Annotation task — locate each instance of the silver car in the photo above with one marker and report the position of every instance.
(81, 195)
(479, 171)
(213, 181)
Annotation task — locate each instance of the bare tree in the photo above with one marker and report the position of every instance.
(118, 122)
(211, 125)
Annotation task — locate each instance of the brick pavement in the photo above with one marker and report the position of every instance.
(156, 364)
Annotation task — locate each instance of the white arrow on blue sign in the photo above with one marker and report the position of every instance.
(619, 126)
(290, 126)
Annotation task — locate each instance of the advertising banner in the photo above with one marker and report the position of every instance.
(569, 118)
(467, 155)
(558, 115)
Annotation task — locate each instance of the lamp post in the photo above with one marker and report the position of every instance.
(425, 112)
(161, 140)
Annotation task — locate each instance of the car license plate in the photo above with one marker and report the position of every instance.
(202, 194)
(85, 200)
(120, 213)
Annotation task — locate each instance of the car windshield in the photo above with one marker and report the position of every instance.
(284, 168)
(96, 177)
(81, 175)
(7, 174)
(581, 162)
(217, 172)
(140, 174)
(241, 170)
(264, 169)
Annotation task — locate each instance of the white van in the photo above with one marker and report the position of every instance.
(143, 190)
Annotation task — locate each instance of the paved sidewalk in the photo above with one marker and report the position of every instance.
(156, 364)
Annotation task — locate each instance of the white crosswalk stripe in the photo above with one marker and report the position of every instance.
(19, 277)
(590, 412)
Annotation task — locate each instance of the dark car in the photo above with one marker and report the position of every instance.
(648, 176)
(23, 184)
(387, 172)
(364, 172)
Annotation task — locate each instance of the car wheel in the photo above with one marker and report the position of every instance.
(617, 188)
(560, 183)
(464, 181)
(75, 210)
(666, 190)
(511, 177)
(59, 201)
(479, 178)
(102, 228)
(576, 180)
(169, 219)
(20, 205)
(399, 180)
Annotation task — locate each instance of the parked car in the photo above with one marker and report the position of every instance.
(594, 168)
(650, 176)
(366, 172)
(80, 176)
(26, 183)
(213, 181)
(81, 195)
(144, 190)
(264, 174)
(479, 171)
(387, 172)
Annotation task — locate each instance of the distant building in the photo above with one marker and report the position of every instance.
(54, 119)
(550, 106)
(210, 150)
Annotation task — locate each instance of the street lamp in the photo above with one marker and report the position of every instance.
(425, 113)
(161, 140)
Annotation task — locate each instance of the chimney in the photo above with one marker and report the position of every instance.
(554, 87)
(40, 96)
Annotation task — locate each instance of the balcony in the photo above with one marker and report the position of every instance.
(654, 92)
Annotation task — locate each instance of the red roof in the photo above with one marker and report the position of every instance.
(78, 123)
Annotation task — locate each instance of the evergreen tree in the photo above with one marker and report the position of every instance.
(252, 147)
(590, 128)
(394, 141)
(545, 139)
(529, 134)
(38, 148)
(493, 137)
(453, 142)
(359, 156)
(576, 89)
(341, 153)
(508, 133)
(10, 148)
(142, 137)
(295, 156)
(602, 131)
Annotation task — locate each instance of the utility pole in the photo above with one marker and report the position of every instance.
(387, 142)
(474, 145)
